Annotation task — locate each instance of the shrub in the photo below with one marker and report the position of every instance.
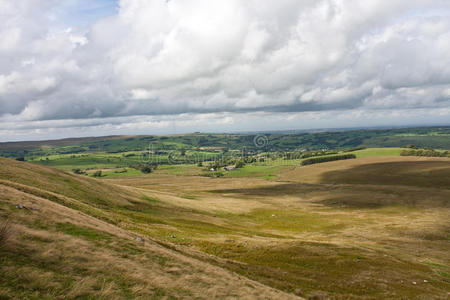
(425, 153)
(239, 164)
(146, 169)
(318, 160)
(411, 146)
(77, 171)
(97, 174)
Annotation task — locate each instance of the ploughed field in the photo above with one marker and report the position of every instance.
(368, 228)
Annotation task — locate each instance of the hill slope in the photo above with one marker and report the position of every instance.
(67, 242)
(367, 228)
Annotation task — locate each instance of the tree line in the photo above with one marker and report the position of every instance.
(318, 160)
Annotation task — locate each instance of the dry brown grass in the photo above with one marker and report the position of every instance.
(61, 252)
(314, 230)
(395, 207)
(5, 232)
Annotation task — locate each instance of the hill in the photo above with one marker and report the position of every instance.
(70, 240)
(374, 227)
(432, 137)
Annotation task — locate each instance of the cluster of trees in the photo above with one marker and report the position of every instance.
(145, 168)
(220, 163)
(318, 160)
(353, 149)
(237, 162)
(307, 154)
(425, 152)
(97, 174)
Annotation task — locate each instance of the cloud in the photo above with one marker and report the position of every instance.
(160, 58)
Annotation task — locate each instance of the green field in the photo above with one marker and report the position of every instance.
(179, 154)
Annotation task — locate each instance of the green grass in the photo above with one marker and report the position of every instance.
(254, 170)
(378, 152)
(117, 173)
(287, 221)
(181, 169)
(322, 267)
(84, 232)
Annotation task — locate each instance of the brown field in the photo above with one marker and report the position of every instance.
(368, 228)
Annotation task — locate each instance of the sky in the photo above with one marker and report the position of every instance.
(104, 67)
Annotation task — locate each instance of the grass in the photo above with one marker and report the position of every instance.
(5, 232)
(378, 152)
(116, 172)
(84, 232)
(411, 173)
(315, 267)
(286, 220)
(58, 252)
(346, 229)
(256, 171)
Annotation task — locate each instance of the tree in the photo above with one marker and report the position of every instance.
(97, 174)
(77, 171)
(239, 164)
(146, 169)
(318, 160)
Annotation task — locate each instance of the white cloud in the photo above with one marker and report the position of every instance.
(210, 56)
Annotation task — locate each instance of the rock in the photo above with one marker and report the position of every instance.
(173, 236)
(316, 297)
(174, 270)
(298, 292)
(414, 282)
(425, 280)
(139, 239)
(20, 206)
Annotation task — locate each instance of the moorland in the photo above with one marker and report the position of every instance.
(228, 216)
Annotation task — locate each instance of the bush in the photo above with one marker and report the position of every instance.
(5, 232)
(20, 158)
(97, 174)
(78, 171)
(213, 174)
(425, 153)
(411, 146)
(146, 169)
(318, 160)
(239, 164)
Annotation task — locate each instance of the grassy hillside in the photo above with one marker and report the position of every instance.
(61, 247)
(367, 228)
(305, 230)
